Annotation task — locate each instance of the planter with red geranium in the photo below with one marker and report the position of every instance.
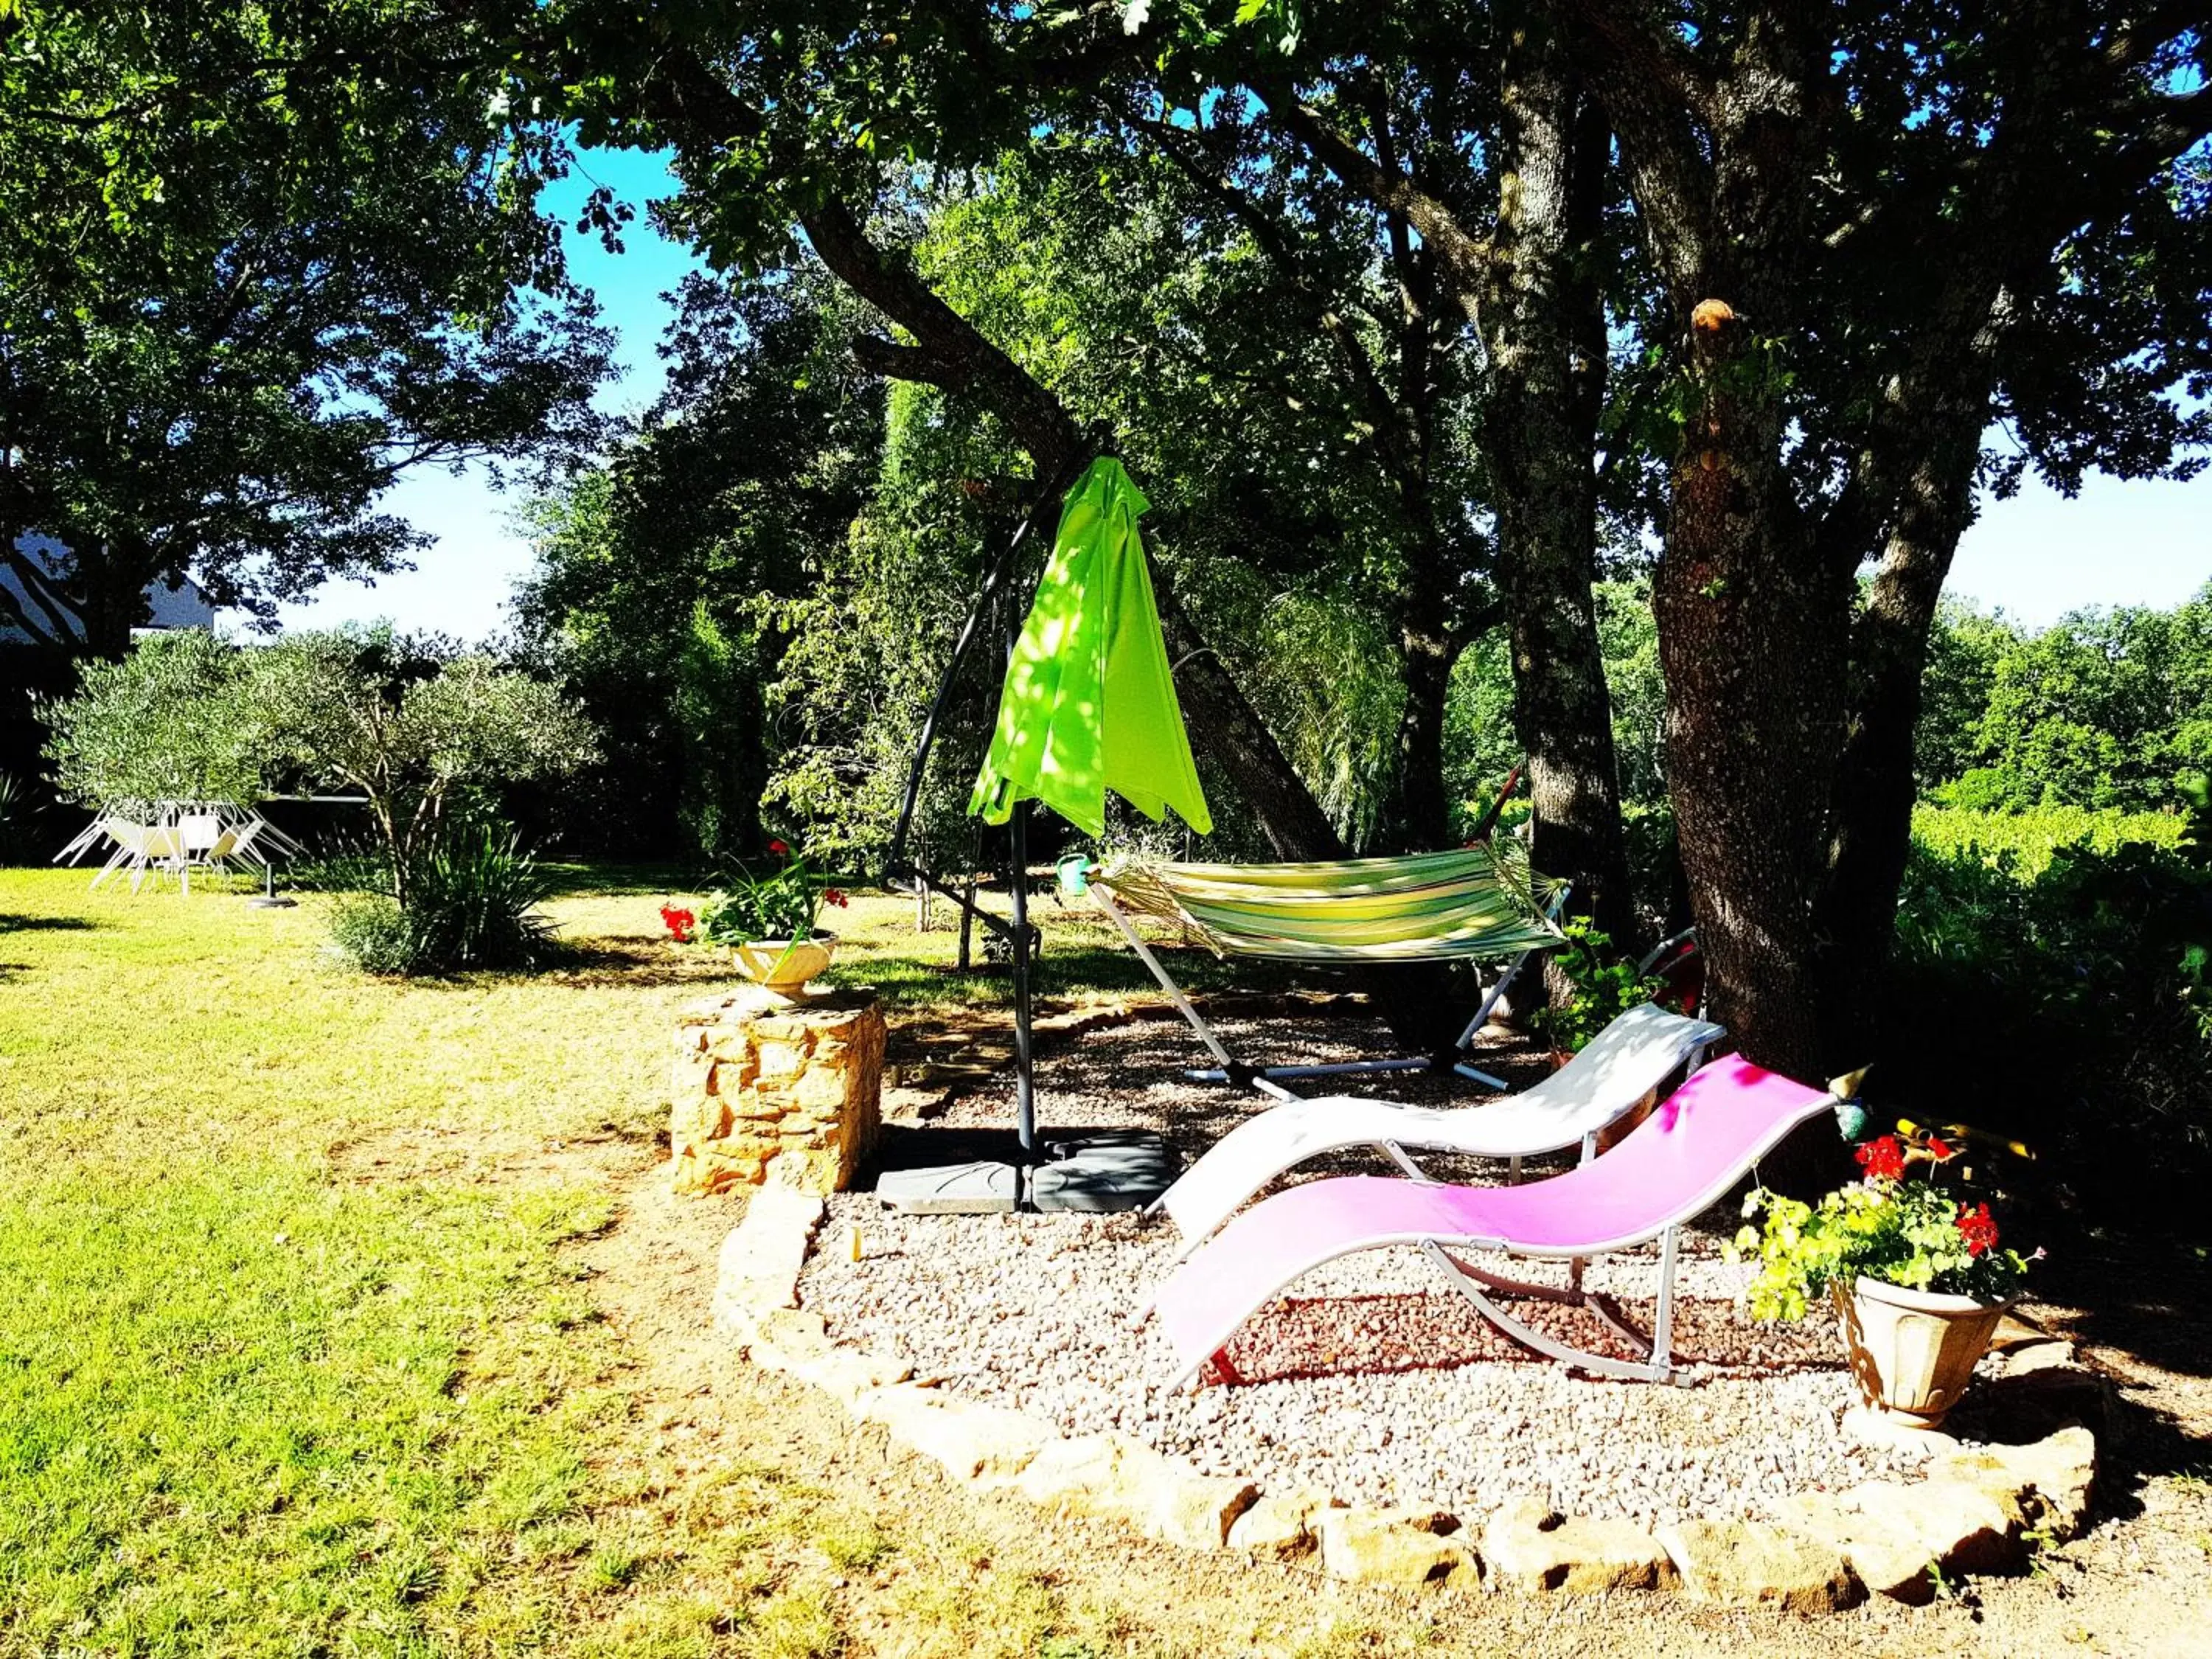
(1918, 1277)
(767, 921)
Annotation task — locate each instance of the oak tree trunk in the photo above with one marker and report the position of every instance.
(1871, 812)
(1419, 814)
(1547, 364)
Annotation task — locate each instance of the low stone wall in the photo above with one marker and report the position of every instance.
(1978, 1510)
(767, 1091)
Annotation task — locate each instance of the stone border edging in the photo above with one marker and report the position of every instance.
(1975, 1511)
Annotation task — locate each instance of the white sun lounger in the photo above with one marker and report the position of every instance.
(1667, 1171)
(1625, 1062)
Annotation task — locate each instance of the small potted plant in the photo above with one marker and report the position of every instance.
(1603, 990)
(1919, 1278)
(767, 921)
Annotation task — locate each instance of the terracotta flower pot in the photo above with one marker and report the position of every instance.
(783, 965)
(1913, 1352)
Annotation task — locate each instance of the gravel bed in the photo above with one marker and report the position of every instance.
(1370, 1380)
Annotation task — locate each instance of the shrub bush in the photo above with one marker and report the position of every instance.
(371, 932)
(2053, 979)
(471, 903)
(2033, 838)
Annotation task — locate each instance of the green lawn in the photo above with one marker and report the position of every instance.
(298, 1355)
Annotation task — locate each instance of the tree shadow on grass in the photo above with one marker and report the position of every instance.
(579, 879)
(601, 965)
(16, 924)
(2148, 1297)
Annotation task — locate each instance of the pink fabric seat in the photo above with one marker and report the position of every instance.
(1672, 1167)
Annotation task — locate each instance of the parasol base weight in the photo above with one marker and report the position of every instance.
(980, 1187)
(1102, 1170)
(1089, 1171)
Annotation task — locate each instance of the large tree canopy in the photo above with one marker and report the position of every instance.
(258, 265)
(1547, 272)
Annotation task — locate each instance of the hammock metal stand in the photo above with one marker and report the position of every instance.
(1267, 1080)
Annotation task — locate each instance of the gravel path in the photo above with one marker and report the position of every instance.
(1371, 1381)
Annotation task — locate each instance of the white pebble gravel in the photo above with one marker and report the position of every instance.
(1034, 1312)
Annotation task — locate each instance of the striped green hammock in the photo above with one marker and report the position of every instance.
(1480, 901)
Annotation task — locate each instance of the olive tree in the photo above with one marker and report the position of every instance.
(414, 724)
(174, 719)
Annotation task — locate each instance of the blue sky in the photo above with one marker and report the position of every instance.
(2036, 556)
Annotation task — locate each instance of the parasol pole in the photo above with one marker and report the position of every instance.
(1024, 1095)
(1017, 833)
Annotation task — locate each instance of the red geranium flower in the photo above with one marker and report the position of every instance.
(835, 895)
(778, 848)
(678, 922)
(1977, 1229)
(1882, 1159)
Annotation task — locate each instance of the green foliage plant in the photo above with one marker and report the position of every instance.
(1914, 1233)
(471, 904)
(473, 901)
(373, 933)
(1603, 986)
(174, 719)
(783, 903)
(415, 726)
(263, 261)
(2060, 960)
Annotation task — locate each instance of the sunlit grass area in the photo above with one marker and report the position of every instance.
(301, 1354)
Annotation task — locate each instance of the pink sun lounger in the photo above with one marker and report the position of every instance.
(1672, 1167)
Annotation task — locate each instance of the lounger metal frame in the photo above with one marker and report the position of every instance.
(1477, 1285)
(1268, 1078)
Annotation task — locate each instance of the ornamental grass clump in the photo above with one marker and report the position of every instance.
(1912, 1231)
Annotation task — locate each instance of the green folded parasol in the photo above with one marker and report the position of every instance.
(1088, 703)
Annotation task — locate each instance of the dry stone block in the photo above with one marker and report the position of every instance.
(2052, 1479)
(975, 1443)
(1897, 1536)
(691, 1075)
(1741, 1564)
(794, 1333)
(844, 1374)
(2014, 1332)
(1404, 1548)
(1115, 1477)
(1528, 1548)
(1281, 1526)
(2051, 1354)
(1887, 1562)
(760, 1259)
(766, 1090)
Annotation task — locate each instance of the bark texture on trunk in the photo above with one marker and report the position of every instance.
(1870, 808)
(1752, 617)
(1545, 328)
(1532, 291)
(1420, 818)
